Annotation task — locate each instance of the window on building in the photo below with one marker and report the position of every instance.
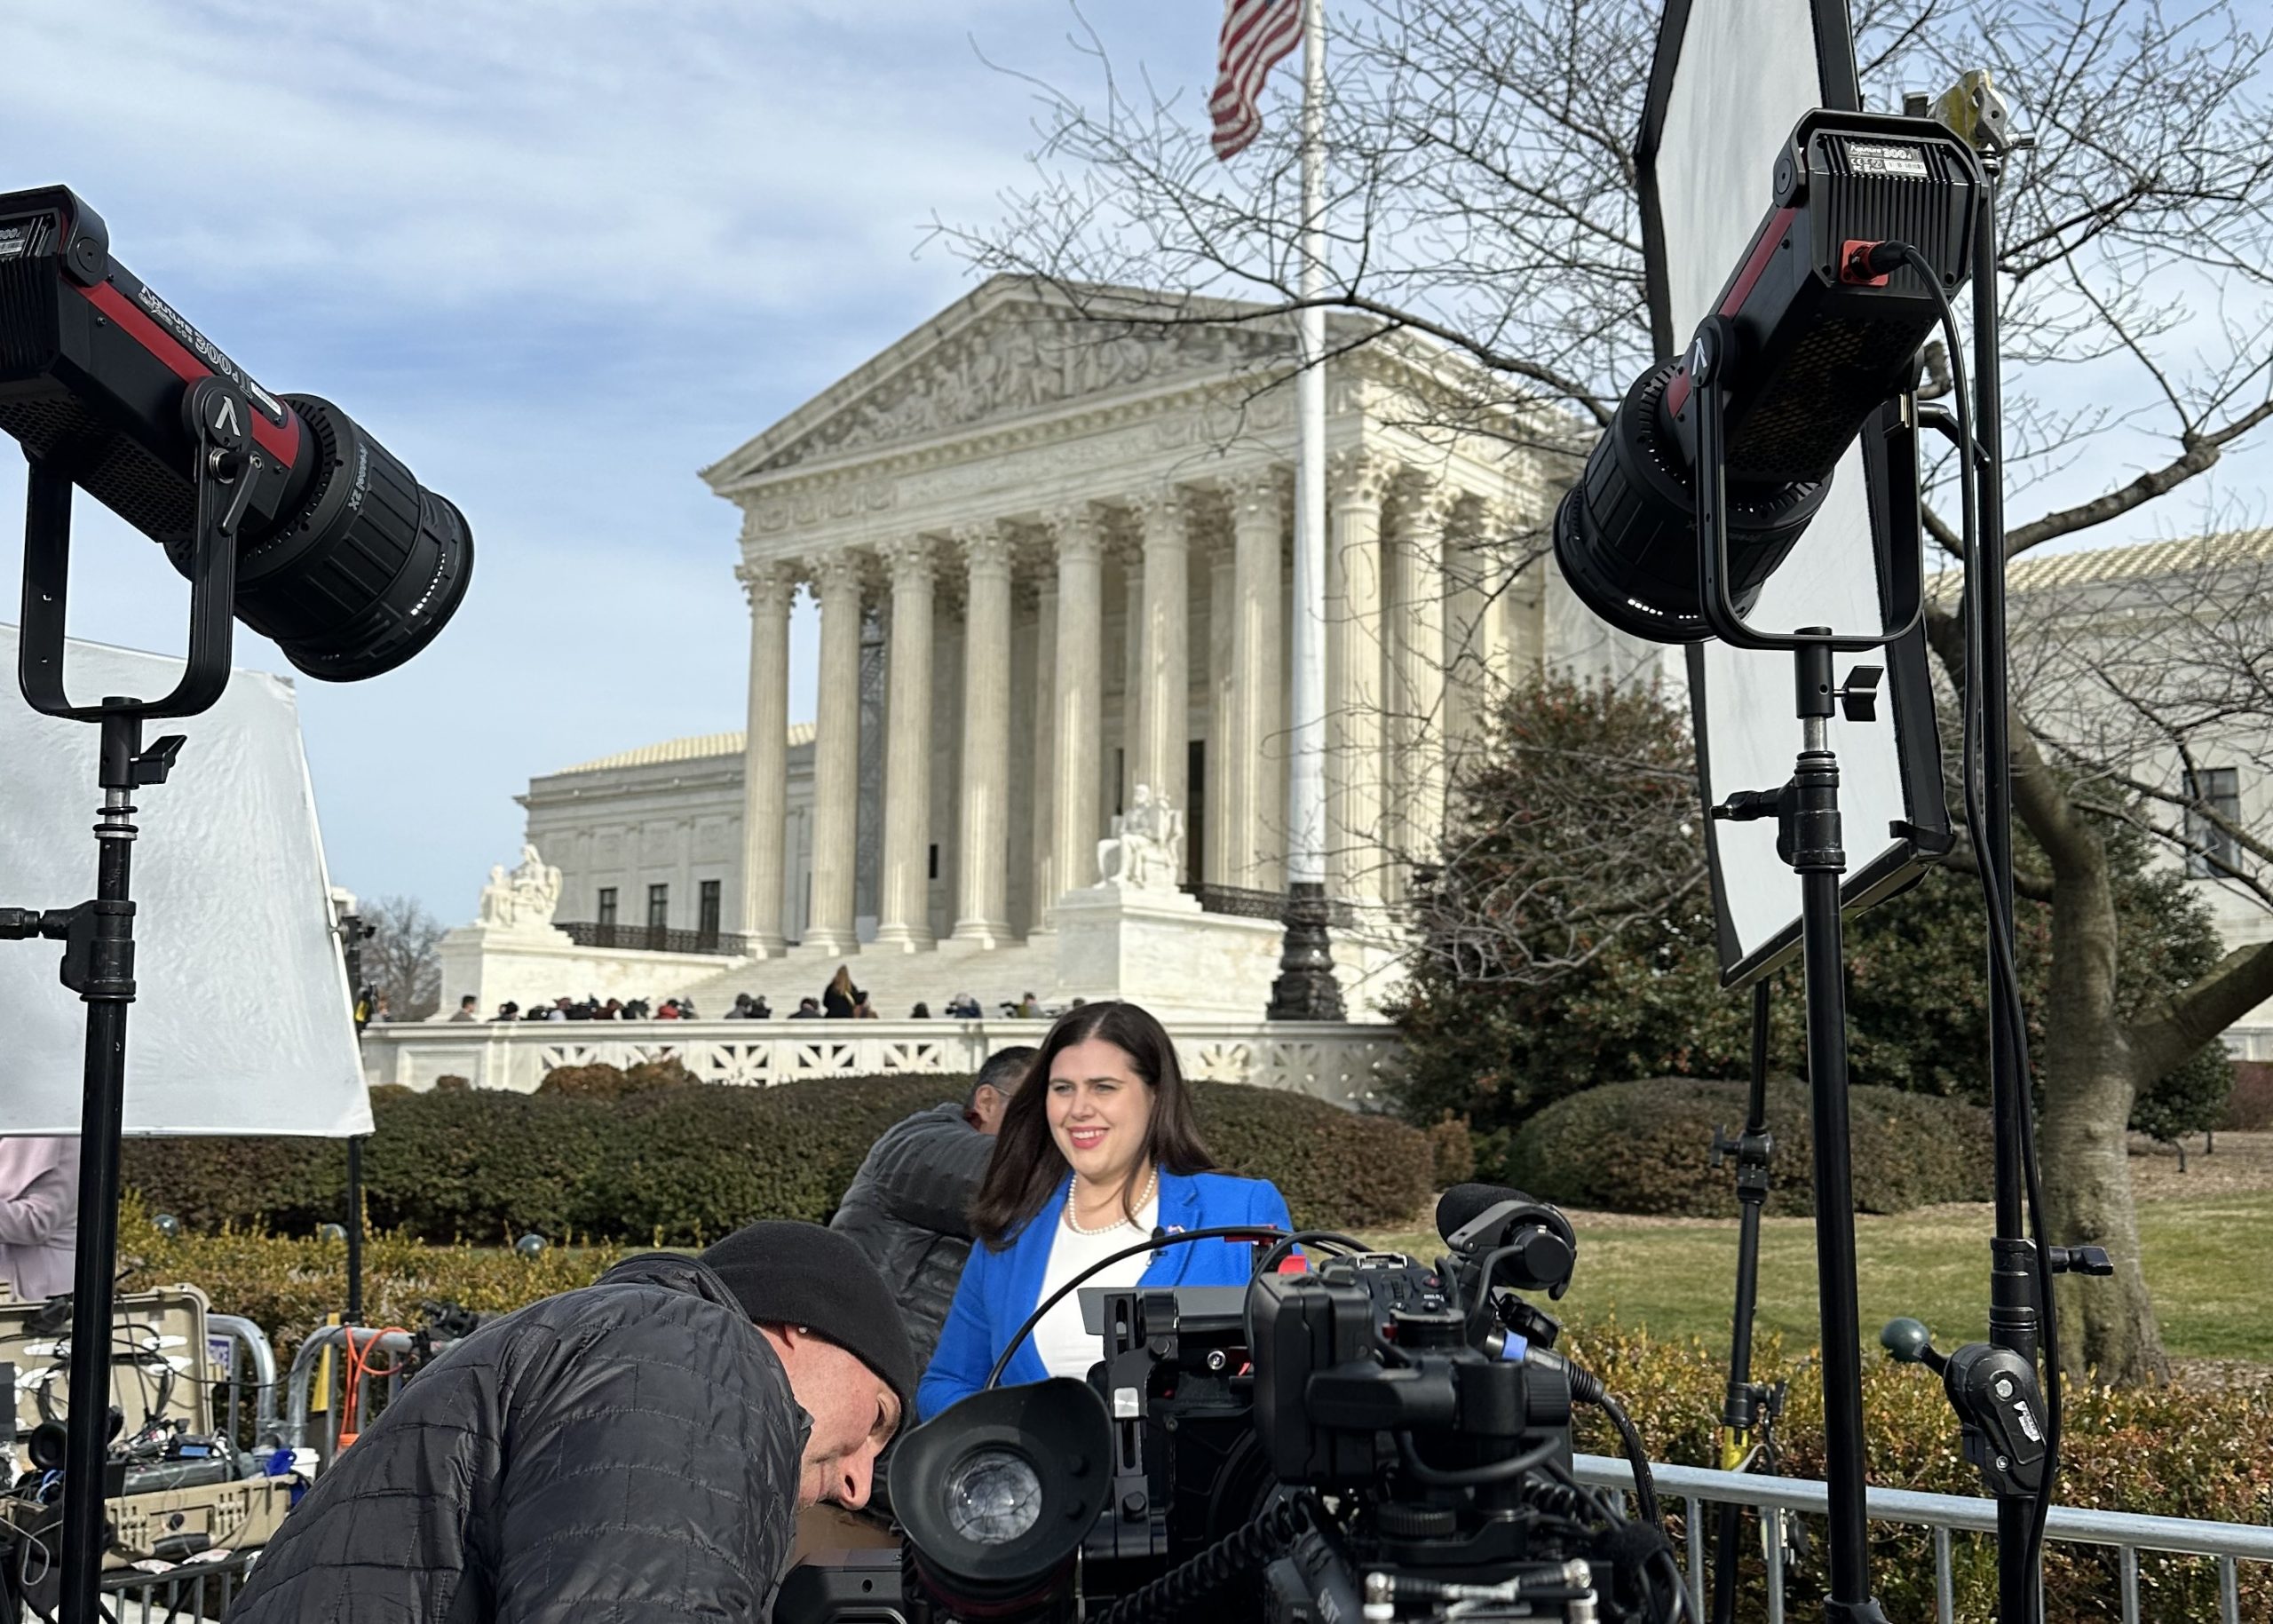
(659, 907)
(2214, 793)
(706, 917)
(934, 872)
(606, 909)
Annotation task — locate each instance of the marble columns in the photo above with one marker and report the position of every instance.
(983, 910)
(1417, 681)
(1354, 696)
(836, 754)
(1254, 752)
(903, 921)
(766, 756)
(1216, 854)
(1043, 784)
(1164, 714)
(1078, 699)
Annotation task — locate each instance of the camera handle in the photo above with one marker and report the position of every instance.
(99, 936)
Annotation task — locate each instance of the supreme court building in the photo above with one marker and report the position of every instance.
(1053, 561)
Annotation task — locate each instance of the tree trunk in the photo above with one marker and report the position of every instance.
(2109, 1326)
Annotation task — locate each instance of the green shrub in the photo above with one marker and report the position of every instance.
(1644, 1147)
(603, 1082)
(1337, 1170)
(679, 1164)
(2178, 1450)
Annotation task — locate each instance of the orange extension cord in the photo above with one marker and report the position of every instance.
(356, 1368)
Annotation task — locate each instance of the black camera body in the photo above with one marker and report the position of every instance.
(1372, 1438)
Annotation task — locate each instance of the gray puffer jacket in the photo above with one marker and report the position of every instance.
(908, 1209)
(628, 1451)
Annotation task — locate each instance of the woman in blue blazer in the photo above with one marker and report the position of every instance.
(1098, 1150)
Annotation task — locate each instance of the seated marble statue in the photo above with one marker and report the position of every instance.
(1145, 850)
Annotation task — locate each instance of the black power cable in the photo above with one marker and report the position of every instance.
(2004, 973)
(1256, 1544)
(1229, 1231)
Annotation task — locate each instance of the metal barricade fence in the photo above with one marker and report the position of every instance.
(2228, 1544)
(248, 1366)
(298, 1398)
(189, 1590)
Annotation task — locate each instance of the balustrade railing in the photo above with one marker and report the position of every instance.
(1243, 902)
(1344, 1064)
(654, 939)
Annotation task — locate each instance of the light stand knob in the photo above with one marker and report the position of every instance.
(1911, 1344)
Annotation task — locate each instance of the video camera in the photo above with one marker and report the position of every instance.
(1373, 1438)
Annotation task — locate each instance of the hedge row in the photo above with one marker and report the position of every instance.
(681, 1165)
(1644, 1147)
(2179, 1450)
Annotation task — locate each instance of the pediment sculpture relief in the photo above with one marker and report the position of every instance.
(1014, 365)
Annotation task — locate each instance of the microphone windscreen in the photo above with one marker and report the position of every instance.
(1462, 1204)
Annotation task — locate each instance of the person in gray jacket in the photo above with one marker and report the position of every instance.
(637, 1451)
(908, 1207)
(39, 1216)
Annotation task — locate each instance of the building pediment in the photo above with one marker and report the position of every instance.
(1008, 352)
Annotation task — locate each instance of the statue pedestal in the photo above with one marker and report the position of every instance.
(1158, 949)
(532, 964)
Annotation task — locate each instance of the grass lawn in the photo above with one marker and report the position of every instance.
(2205, 1262)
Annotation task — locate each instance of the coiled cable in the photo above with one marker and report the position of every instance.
(1255, 1545)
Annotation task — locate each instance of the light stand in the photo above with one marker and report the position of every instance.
(1749, 1412)
(2009, 1432)
(99, 936)
(353, 934)
(1808, 839)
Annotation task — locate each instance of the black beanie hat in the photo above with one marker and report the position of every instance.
(784, 1272)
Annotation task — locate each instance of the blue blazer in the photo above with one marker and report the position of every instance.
(998, 1289)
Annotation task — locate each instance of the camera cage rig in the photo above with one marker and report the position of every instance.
(1398, 1442)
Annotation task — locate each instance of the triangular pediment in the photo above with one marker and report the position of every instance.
(1010, 350)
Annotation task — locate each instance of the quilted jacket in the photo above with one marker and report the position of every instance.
(627, 1453)
(908, 1209)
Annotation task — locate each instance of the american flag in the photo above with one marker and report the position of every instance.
(1256, 33)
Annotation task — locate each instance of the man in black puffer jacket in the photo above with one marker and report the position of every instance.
(636, 1451)
(908, 1207)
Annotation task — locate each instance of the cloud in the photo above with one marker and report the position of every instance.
(557, 256)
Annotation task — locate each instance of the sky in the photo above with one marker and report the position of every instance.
(557, 256)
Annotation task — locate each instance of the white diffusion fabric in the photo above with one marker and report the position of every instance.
(242, 1023)
(1747, 71)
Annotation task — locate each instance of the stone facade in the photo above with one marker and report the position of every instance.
(1052, 559)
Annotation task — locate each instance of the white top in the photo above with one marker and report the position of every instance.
(1066, 1348)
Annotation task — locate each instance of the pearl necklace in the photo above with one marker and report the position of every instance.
(1124, 1222)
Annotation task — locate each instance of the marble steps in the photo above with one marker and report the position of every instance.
(894, 981)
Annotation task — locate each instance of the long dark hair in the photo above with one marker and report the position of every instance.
(1028, 1165)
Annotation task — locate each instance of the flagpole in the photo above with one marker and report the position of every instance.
(1306, 988)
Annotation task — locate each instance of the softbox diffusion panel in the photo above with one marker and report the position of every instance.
(240, 1022)
(1730, 79)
